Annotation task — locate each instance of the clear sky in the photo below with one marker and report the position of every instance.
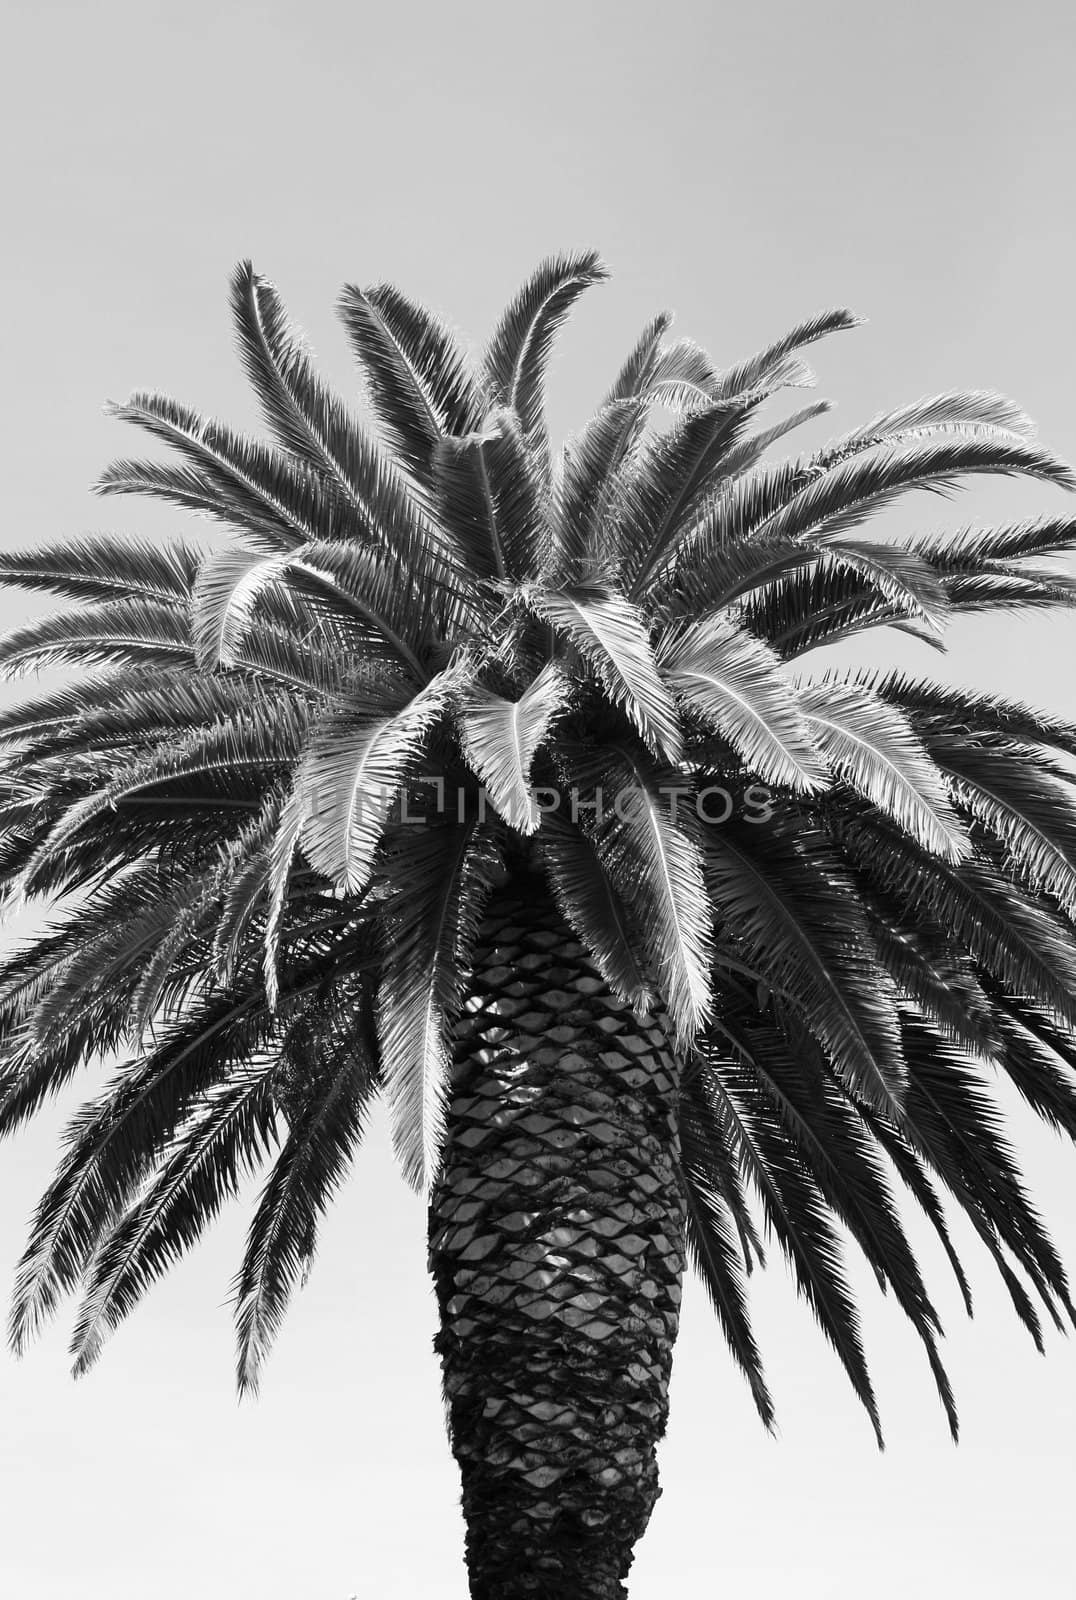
(744, 166)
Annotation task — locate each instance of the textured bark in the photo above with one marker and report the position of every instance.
(557, 1251)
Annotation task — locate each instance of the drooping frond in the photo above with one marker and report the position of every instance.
(225, 1138)
(1015, 936)
(936, 706)
(735, 683)
(773, 1062)
(873, 749)
(501, 738)
(352, 773)
(441, 877)
(321, 1142)
(654, 864)
(796, 1212)
(611, 636)
(781, 902)
(957, 1126)
(110, 1144)
(600, 916)
(712, 1238)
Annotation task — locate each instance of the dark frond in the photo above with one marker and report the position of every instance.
(783, 905)
(321, 1142)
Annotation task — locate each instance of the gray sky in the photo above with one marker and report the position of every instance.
(744, 166)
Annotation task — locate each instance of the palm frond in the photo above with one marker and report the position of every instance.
(964, 549)
(796, 1212)
(735, 683)
(400, 399)
(589, 482)
(782, 902)
(594, 909)
(310, 422)
(436, 357)
(224, 1140)
(517, 355)
(352, 772)
(771, 366)
(106, 567)
(872, 747)
(259, 489)
(487, 492)
(974, 409)
(1012, 934)
(775, 1064)
(1000, 786)
(653, 862)
(501, 738)
(125, 632)
(441, 881)
(958, 1127)
(110, 1147)
(637, 369)
(665, 481)
(712, 1243)
(225, 595)
(611, 636)
(312, 1163)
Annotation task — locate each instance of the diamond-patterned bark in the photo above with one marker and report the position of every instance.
(557, 1249)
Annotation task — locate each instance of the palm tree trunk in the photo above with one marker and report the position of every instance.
(557, 1251)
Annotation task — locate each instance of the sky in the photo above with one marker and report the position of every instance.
(743, 166)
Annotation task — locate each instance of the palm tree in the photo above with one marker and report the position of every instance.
(498, 783)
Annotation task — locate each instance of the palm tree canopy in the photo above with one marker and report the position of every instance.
(558, 662)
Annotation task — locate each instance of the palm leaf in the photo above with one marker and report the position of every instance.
(487, 492)
(125, 632)
(796, 1212)
(873, 748)
(735, 683)
(436, 357)
(712, 1246)
(441, 881)
(353, 771)
(225, 1139)
(310, 1167)
(771, 365)
(594, 910)
(611, 636)
(653, 863)
(103, 567)
(782, 902)
(518, 352)
(401, 401)
(501, 738)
